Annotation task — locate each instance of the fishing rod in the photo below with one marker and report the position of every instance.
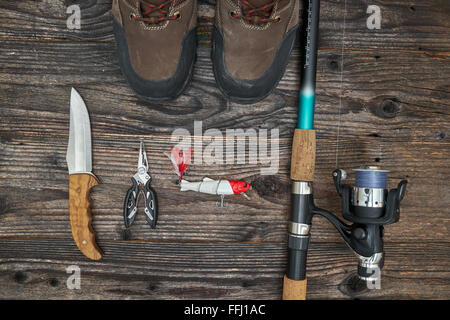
(368, 204)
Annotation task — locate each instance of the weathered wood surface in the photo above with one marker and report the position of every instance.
(160, 270)
(418, 26)
(391, 109)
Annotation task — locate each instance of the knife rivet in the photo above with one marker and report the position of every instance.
(84, 242)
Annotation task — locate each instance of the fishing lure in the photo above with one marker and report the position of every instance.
(217, 187)
(180, 161)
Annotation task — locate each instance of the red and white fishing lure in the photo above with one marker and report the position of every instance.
(180, 161)
(219, 187)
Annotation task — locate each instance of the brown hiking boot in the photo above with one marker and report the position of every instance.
(252, 44)
(156, 45)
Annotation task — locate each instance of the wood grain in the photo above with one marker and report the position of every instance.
(414, 26)
(303, 159)
(80, 186)
(383, 98)
(183, 270)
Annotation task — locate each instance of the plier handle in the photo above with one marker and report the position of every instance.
(141, 186)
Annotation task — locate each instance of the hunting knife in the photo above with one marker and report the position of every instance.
(81, 179)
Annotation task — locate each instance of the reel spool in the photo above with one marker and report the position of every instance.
(370, 192)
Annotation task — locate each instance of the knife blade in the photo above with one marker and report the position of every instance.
(81, 179)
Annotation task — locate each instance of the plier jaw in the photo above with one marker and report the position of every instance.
(141, 186)
(142, 176)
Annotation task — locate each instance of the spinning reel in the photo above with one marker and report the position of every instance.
(369, 205)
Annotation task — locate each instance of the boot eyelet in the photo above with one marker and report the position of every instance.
(233, 14)
(132, 16)
(177, 16)
(277, 19)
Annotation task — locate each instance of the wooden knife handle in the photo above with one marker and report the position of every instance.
(294, 289)
(80, 214)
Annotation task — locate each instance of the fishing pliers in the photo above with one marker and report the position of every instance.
(141, 185)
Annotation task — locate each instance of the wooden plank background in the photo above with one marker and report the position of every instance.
(383, 98)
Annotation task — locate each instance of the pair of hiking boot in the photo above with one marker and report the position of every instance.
(252, 42)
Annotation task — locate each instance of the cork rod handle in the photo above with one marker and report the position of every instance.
(302, 169)
(303, 160)
(294, 289)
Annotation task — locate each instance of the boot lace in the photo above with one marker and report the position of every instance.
(152, 13)
(257, 15)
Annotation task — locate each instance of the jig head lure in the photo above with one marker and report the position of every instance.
(180, 160)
